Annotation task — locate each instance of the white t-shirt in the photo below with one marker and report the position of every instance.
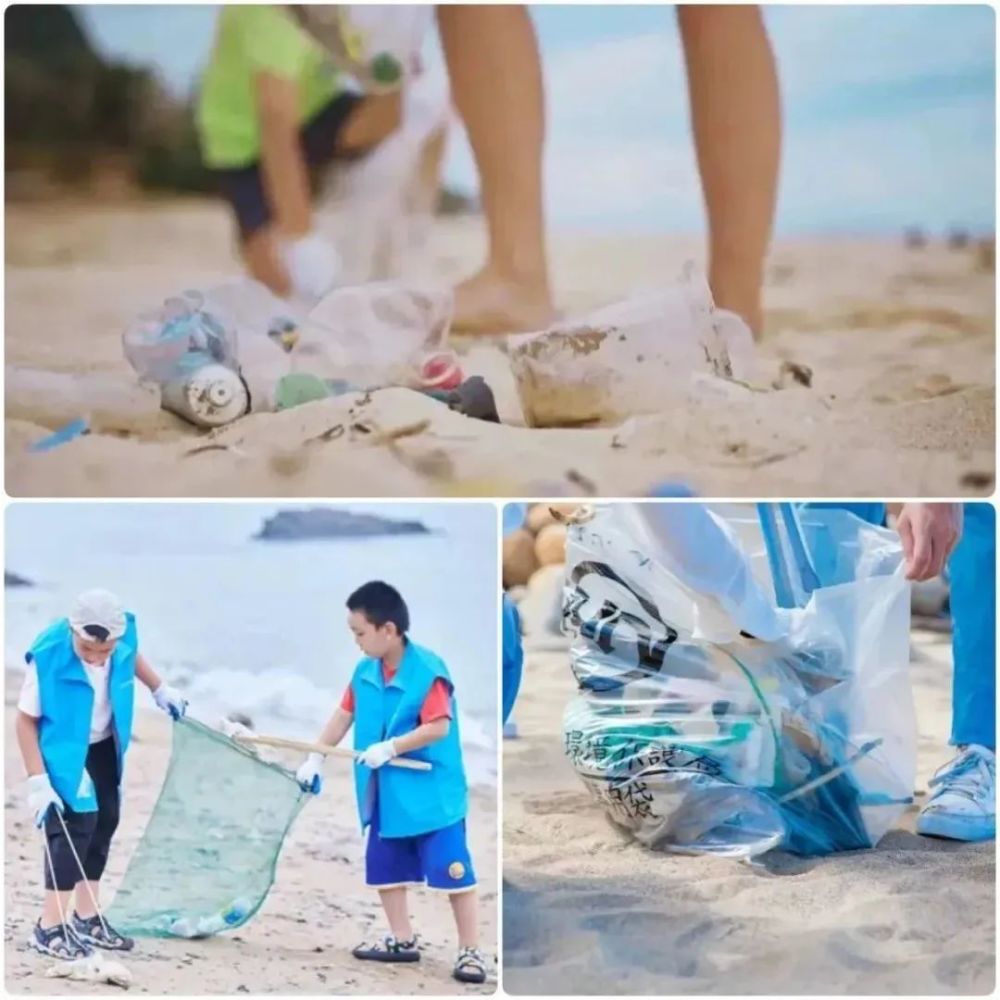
(30, 701)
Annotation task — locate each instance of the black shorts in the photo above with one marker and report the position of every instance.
(243, 187)
(83, 840)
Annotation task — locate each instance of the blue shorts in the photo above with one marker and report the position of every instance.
(440, 859)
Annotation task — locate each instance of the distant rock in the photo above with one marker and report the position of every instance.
(13, 580)
(327, 522)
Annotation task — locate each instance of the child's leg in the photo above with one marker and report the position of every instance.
(102, 764)
(371, 121)
(60, 867)
(465, 906)
(394, 904)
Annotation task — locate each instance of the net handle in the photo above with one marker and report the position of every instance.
(326, 750)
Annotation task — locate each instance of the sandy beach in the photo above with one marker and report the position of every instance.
(900, 342)
(298, 943)
(586, 911)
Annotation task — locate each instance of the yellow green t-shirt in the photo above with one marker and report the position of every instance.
(250, 39)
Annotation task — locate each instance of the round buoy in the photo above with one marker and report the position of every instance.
(519, 560)
(550, 545)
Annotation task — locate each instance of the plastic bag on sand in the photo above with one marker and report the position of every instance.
(735, 745)
(378, 209)
(625, 359)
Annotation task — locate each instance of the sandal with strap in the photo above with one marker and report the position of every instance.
(100, 934)
(388, 949)
(58, 942)
(470, 966)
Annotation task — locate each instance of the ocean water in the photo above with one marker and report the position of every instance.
(260, 627)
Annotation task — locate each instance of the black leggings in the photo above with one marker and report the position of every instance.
(90, 832)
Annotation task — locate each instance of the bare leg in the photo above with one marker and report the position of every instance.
(53, 904)
(496, 81)
(465, 907)
(374, 119)
(736, 118)
(87, 894)
(396, 912)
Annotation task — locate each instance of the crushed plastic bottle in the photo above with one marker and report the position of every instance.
(190, 353)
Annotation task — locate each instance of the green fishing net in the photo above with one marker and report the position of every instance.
(207, 857)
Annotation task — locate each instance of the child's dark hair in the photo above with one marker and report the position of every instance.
(380, 604)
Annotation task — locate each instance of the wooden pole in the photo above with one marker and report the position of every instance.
(327, 751)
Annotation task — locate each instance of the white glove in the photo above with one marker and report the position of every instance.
(308, 774)
(378, 754)
(170, 701)
(41, 797)
(313, 265)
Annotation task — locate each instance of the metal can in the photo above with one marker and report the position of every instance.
(210, 396)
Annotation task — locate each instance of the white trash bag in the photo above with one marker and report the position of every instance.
(698, 738)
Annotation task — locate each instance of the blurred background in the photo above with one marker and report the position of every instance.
(889, 113)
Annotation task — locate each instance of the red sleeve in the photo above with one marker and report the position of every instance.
(437, 704)
(347, 702)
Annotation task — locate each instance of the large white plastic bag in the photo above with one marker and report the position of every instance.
(707, 746)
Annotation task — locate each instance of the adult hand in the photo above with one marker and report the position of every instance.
(308, 774)
(42, 797)
(929, 532)
(378, 754)
(312, 264)
(171, 701)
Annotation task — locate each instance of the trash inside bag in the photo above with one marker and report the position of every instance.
(206, 860)
(736, 745)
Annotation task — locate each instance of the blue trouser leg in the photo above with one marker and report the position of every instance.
(513, 657)
(972, 572)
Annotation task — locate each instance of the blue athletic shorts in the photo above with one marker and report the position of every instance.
(440, 859)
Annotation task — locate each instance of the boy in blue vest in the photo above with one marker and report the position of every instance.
(74, 722)
(401, 703)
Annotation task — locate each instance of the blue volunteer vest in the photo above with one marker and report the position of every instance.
(409, 802)
(67, 702)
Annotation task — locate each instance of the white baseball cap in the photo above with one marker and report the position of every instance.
(97, 614)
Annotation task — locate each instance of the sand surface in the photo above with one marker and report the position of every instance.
(301, 939)
(901, 343)
(586, 911)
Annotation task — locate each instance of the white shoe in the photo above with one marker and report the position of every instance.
(963, 807)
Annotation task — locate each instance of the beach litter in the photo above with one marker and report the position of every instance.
(630, 358)
(69, 432)
(95, 968)
(696, 737)
(217, 355)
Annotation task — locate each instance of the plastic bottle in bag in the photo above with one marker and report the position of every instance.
(197, 927)
(190, 353)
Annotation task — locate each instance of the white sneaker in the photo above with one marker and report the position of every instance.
(963, 807)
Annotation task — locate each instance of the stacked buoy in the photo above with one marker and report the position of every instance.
(540, 543)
